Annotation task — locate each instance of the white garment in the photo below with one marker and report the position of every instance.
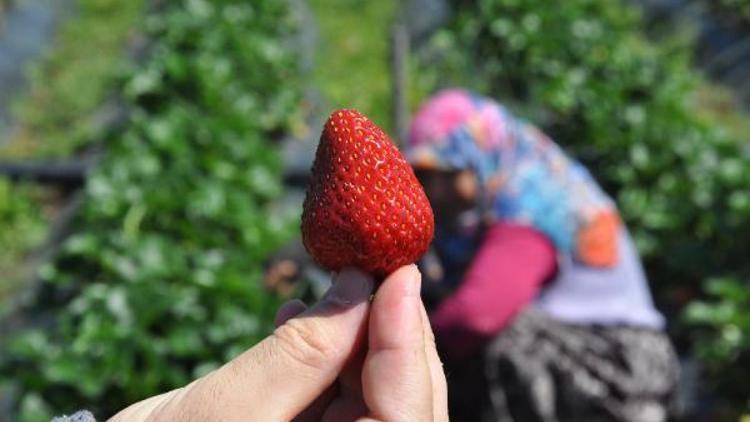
(616, 295)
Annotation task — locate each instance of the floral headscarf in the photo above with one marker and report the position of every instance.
(525, 178)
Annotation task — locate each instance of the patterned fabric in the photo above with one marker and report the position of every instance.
(540, 369)
(524, 176)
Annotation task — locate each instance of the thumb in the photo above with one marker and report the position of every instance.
(396, 378)
(279, 377)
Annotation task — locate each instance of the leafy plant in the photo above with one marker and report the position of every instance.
(724, 336)
(59, 112)
(161, 282)
(631, 109)
(22, 227)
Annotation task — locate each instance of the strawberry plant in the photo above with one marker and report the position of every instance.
(160, 283)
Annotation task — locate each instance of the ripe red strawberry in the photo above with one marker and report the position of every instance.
(364, 206)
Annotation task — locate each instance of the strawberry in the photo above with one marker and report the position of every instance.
(364, 207)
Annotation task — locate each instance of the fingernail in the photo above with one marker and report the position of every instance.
(289, 310)
(350, 287)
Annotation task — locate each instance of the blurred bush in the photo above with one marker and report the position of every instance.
(629, 108)
(161, 281)
(58, 113)
(724, 338)
(18, 214)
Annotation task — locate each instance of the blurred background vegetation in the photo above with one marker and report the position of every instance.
(186, 106)
(351, 67)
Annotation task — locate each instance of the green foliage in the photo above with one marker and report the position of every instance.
(352, 62)
(630, 109)
(725, 339)
(163, 274)
(19, 214)
(56, 115)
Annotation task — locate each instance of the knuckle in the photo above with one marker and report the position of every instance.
(303, 343)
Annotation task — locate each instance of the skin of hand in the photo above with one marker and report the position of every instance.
(345, 359)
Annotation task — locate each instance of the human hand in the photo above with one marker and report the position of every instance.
(343, 359)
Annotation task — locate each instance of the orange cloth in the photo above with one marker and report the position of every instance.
(597, 242)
